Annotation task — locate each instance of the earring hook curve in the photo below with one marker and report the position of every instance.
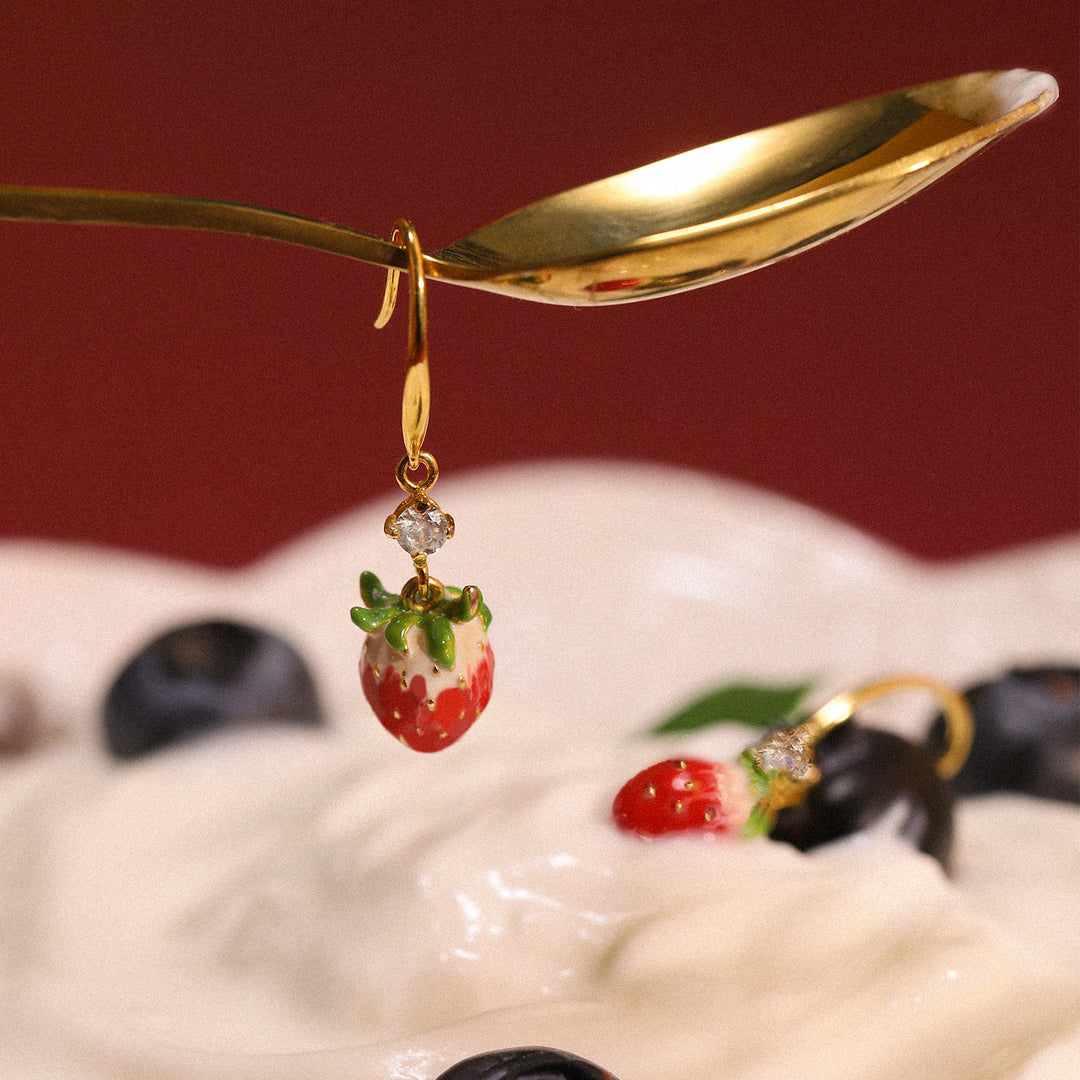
(416, 397)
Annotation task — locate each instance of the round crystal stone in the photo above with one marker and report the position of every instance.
(785, 752)
(421, 529)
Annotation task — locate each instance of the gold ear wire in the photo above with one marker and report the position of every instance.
(791, 782)
(416, 398)
(389, 300)
(958, 720)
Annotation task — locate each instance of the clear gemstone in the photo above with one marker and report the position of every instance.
(786, 752)
(421, 529)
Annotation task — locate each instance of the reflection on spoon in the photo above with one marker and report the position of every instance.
(676, 224)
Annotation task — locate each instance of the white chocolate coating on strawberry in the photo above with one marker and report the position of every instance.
(283, 904)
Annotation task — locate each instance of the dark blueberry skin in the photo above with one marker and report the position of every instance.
(1027, 735)
(204, 676)
(526, 1063)
(867, 775)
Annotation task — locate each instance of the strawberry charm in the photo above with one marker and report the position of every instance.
(426, 670)
(725, 800)
(426, 666)
(743, 798)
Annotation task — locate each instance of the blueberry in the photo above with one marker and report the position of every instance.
(19, 720)
(203, 676)
(528, 1063)
(1027, 735)
(872, 777)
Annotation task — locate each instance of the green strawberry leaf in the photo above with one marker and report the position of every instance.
(461, 609)
(457, 605)
(399, 616)
(737, 703)
(398, 627)
(370, 619)
(757, 824)
(439, 632)
(759, 778)
(373, 593)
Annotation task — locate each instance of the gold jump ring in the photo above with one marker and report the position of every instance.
(417, 487)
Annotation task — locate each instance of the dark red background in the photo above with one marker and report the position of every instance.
(209, 397)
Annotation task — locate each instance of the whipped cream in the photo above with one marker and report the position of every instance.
(296, 904)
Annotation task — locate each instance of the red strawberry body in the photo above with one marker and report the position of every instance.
(424, 705)
(683, 794)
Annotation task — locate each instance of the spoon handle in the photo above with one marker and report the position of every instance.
(180, 212)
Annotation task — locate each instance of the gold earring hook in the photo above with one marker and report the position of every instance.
(796, 747)
(416, 398)
(958, 720)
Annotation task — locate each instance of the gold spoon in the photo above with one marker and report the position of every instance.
(676, 224)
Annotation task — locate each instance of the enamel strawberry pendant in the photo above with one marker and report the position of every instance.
(736, 800)
(426, 671)
(742, 799)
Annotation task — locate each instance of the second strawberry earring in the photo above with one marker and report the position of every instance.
(426, 666)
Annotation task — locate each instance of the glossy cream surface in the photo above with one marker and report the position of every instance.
(296, 904)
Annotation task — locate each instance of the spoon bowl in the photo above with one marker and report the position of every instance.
(679, 223)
